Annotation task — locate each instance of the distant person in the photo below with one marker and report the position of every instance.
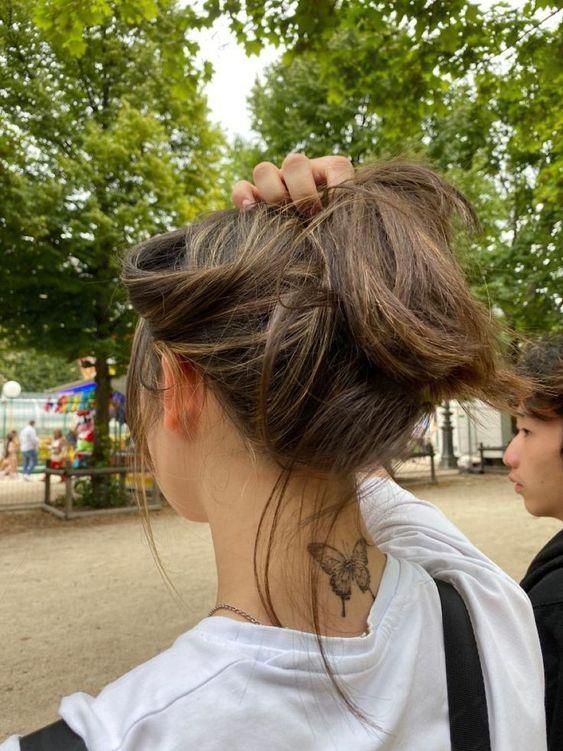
(58, 451)
(535, 458)
(280, 359)
(71, 438)
(29, 446)
(9, 463)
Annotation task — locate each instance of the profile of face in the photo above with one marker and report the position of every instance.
(536, 464)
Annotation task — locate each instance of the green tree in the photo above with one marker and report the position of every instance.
(505, 130)
(104, 140)
(475, 92)
(35, 371)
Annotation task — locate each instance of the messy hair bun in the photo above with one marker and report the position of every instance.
(328, 338)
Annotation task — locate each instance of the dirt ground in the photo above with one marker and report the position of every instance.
(81, 602)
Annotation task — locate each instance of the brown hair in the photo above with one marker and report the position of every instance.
(542, 361)
(326, 339)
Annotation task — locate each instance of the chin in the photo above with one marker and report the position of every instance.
(536, 508)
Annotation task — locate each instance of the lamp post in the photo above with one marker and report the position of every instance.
(10, 390)
(448, 460)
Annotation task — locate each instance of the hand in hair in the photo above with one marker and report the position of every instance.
(298, 180)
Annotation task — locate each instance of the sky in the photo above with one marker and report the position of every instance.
(234, 76)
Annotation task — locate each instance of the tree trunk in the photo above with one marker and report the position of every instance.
(101, 484)
(101, 451)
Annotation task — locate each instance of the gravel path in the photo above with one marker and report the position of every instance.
(81, 602)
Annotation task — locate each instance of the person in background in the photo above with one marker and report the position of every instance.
(58, 451)
(71, 438)
(9, 464)
(535, 458)
(29, 445)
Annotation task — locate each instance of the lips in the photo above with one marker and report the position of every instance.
(517, 485)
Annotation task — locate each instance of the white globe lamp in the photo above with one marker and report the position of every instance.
(11, 390)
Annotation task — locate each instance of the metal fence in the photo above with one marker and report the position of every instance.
(71, 491)
(15, 414)
(104, 490)
(418, 465)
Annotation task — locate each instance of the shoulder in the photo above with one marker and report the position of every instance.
(501, 613)
(546, 597)
(544, 575)
(414, 529)
(548, 590)
(172, 679)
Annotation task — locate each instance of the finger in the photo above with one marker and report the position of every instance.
(269, 184)
(298, 177)
(244, 194)
(332, 170)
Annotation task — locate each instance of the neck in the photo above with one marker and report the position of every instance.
(273, 580)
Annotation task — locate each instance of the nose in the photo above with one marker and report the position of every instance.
(510, 456)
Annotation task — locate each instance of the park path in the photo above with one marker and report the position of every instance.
(81, 602)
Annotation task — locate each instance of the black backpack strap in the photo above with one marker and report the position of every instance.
(55, 737)
(469, 722)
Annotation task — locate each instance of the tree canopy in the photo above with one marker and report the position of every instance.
(104, 140)
(34, 371)
(476, 92)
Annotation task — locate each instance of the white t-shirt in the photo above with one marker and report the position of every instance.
(237, 686)
(28, 438)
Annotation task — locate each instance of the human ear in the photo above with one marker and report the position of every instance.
(182, 397)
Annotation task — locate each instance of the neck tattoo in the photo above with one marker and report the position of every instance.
(343, 569)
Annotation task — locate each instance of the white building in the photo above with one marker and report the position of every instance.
(479, 424)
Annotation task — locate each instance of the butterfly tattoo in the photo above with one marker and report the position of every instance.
(343, 570)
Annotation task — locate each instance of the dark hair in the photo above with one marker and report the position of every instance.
(542, 361)
(326, 339)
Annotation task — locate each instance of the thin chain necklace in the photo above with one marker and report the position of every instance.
(245, 615)
(238, 611)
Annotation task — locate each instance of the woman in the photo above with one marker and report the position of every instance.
(281, 355)
(9, 464)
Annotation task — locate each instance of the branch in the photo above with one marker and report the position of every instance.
(84, 79)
